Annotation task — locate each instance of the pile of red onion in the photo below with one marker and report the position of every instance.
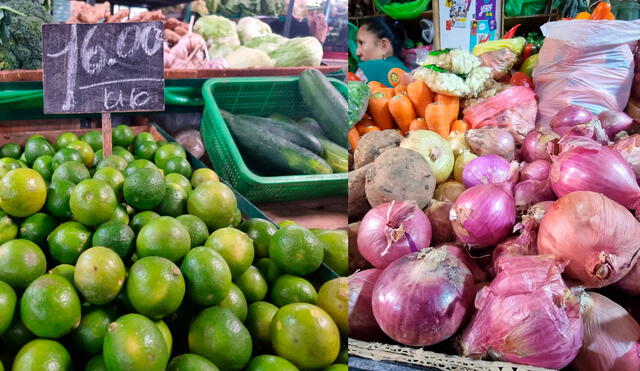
(490, 169)
(362, 324)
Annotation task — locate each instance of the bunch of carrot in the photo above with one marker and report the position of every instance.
(407, 107)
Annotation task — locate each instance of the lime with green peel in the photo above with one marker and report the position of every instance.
(65, 139)
(113, 161)
(198, 231)
(50, 307)
(235, 302)
(11, 150)
(180, 180)
(37, 227)
(296, 250)
(93, 202)
(336, 249)
(286, 223)
(8, 300)
(343, 356)
(94, 139)
(178, 165)
(290, 289)
(143, 137)
(260, 231)
(269, 270)
(68, 241)
(22, 192)
(235, 247)
(122, 136)
(89, 336)
(36, 147)
(43, 355)
(333, 297)
(258, 322)
(120, 215)
(237, 219)
(122, 152)
(163, 236)
(167, 151)
(99, 275)
(134, 342)
(17, 335)
(268, 362)
(44, 166)
(146, 150)
(155, 287)
(64, 155)
(191, 362)
(58, 196)
(72, 171)
(166, 334)
(138, 164)
(7, 164)
(253, 285)
(117, 236)
(113, 178)
(207, 276)
(96, 363)
(141, 219)
(144, 189)
(85, 151)
(214, 203)
(337, 367)
(65, 270)
(174, 202)
(21, 262)
(8, 229)
(203, 175)
(305, 335)
(218, 335)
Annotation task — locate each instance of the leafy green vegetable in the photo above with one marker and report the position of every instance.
(217, 31)
(20, 33)
(301, 51)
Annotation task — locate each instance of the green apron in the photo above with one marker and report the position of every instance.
(377, 70)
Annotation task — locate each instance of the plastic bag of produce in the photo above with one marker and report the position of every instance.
(585, 63)
(500, 61)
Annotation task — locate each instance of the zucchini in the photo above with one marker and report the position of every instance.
(281, 117)
(336, 156)
(326, 104)
(359, 94)
(312, 126)
(285, 130)
(264, 147)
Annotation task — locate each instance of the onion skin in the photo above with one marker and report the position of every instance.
(382, 236)
(483, 215)
(438, 215)
(570, 142)
(461, 253)
(536, 144)
(491, 142)
(600, 170)
(421, 299)
(629, 148)
(597, 237)
(611, 336)
(571, 116)
(527, 315)
(614, 122)
(522, 245)
(362, 323)
(537, 170)
(531, 192)
(490, 169)
(630, 284)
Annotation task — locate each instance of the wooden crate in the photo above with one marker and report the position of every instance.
(51, 135)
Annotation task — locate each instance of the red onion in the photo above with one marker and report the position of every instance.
(570, 142)
(598, 237)
(592, 130)
(600, 170)
(537, 211)
(483, 215)
(629, 148)
(571, 116)
(490, 141)
(614, 122)
(490, 169)
(538, 170)
(630, 283)
(531, 192)
(438, 214)
(421, 299)
(611, 336)
(392, 230)
(536, 143)
(461, 253)
(522, 245)
(527, 316)
(362, 324)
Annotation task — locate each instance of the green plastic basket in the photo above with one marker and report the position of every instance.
(260, 96)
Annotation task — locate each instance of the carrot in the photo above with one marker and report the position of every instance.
(379, 108)
(354, 137)
(420, 96)
(395, 75)
(459, 126)
(369, 129)
(375, 85)
(601, 11)
(452, 103)
(418, 124)
(402, 111)
(365, 122)
(400, 89)
(389, 92)
(437, 117)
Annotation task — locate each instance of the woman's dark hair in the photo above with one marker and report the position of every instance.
(385, 27)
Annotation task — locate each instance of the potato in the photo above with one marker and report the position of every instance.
(400, 174)
(372, 144)
(358, 204)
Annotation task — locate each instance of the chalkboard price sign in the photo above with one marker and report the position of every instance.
(109, 67)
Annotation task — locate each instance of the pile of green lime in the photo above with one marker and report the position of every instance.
(136, 261)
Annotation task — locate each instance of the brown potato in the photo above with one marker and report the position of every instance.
(372, 144)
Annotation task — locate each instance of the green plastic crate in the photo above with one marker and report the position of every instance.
(260, 96)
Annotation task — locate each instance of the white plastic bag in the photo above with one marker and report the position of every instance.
(584, 62)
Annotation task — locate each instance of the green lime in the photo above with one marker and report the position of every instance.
(178, 165)
(134, 342)
(203, 175)
(37, 227)
(258, 322)
(58, 196)
(270, 363)
(155, 287)
(23, 164)
(8, 300)
(36, 147)
(141, 219)
(11, 150)
(291, 289)
(99, 275)
(180, 180)
(191, 362)
(8, 229)
(214, 203)
(286, 223)
(96, 363)
(21, 262)
(93, 202)
(113, 178)
(44, 166)
(253, 285)
(269, 270)
(122, 136)
(337, 367)
(207, 276)
(85, 151)
(120, 215)
(94, 139)
(117, 150)
(113, 161)
(144, 189)
(143, 137)
(43, 355)
(63, 155)
(50, 306)
(333, 298)
(139, 164)
(235, 247)
(174, 202)
(17, 335)
(167, 151)
(89, 336)
(305, 335)
(7, 164)
(68, 241)
(219, 336)
(260, 231)
(72, 171)
(163, 236)
(117, 236)
(237, 219)
(65, 139)
(296, 250)
(235, 302)
(65, 270)
(22, 192)
(198, 231)
(336, 250)
(146, 150)
(343, 356)
(166, 334)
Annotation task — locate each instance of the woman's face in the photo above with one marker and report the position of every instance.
(370, 47)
